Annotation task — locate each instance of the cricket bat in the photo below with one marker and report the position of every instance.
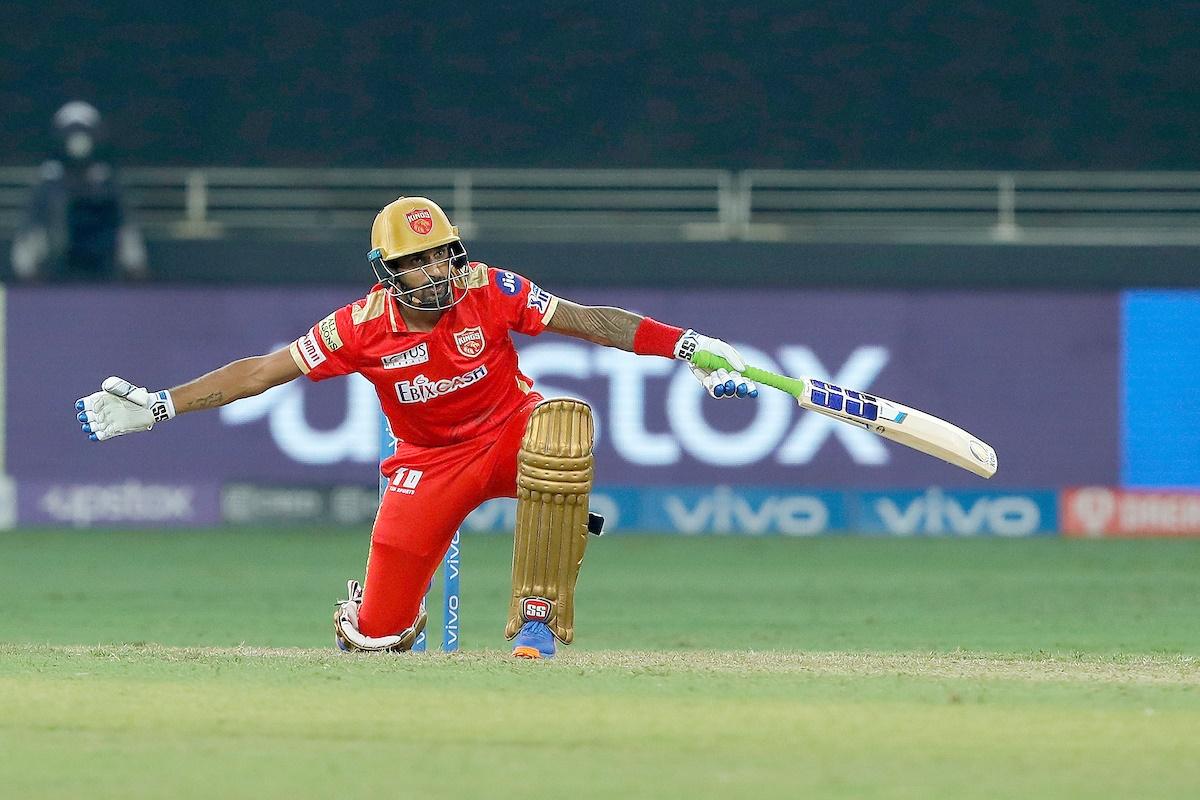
(908, 426)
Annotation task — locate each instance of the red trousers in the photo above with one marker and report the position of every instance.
(428, 496)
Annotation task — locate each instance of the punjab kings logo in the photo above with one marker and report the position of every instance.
(469, 341)
(420, 220)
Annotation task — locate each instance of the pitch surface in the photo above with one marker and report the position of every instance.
(705, 667)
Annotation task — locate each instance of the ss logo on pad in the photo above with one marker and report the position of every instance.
(536, 609)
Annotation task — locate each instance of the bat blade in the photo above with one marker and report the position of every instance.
(903, 424)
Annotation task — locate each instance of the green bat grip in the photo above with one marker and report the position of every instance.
(793, 386)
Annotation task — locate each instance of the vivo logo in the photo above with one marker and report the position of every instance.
(724, 511)
(936, 513)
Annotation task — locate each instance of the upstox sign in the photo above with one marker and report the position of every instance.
(628, 392)
(996, 363)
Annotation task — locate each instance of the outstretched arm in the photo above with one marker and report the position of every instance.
(616, 327)
(120, 407)
(243, 378)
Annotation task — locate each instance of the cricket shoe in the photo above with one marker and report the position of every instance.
(534, 640)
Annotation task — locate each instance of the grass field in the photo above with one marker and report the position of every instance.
(198, 665)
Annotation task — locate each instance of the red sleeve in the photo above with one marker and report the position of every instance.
(524, 305)
(327, 350)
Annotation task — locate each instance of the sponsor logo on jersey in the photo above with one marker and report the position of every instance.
(539, 298)
(329, 333)
(310, 351)
(536, 609)
(420, 220)
(421, 390)
(508, 282)
(469, 341)
(405, 480)
(409, 358)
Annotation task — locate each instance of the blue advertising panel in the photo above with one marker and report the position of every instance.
(772, 511)
(1161, 389)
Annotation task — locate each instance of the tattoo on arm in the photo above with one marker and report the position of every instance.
(245, 377)
(209, 401)
(605, 325)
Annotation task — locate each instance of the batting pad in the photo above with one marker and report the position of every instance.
(554, 479)
(349, 638)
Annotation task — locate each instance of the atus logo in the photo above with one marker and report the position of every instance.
(536, 609)
(409, 358)
(469, 341)
(420, 220)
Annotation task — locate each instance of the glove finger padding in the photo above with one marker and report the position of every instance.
(722, 383)
(124, 389)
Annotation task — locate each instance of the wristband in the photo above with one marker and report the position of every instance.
(162, 407)
(653, 338)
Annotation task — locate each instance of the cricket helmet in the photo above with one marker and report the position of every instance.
(407, 226)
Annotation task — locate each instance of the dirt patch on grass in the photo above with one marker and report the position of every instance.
(1175, 670)
(1132, 669)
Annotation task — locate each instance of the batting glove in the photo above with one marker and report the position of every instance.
(120, 408)
(717, 382)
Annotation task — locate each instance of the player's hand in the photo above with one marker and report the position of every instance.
(717, 382)
(120, 408)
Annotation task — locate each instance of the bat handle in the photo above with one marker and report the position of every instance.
(710, 361)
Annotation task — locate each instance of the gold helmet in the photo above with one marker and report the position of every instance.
(411, 225)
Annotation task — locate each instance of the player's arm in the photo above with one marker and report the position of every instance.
(616, 327)
(120, 407)
(245, 377)
(606, 325)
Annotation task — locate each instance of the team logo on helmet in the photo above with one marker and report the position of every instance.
(420, 220)
(469, 341)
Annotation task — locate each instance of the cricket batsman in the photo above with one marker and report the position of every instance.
(434, 338)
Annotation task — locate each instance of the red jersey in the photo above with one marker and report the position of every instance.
(454, 383)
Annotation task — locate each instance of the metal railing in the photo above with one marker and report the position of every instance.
(664, 205)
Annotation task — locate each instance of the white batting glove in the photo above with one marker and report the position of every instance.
(120, 408)
(717, 382)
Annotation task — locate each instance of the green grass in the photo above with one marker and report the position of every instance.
(703, 668)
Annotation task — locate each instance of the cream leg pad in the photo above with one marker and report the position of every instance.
(554, 479)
